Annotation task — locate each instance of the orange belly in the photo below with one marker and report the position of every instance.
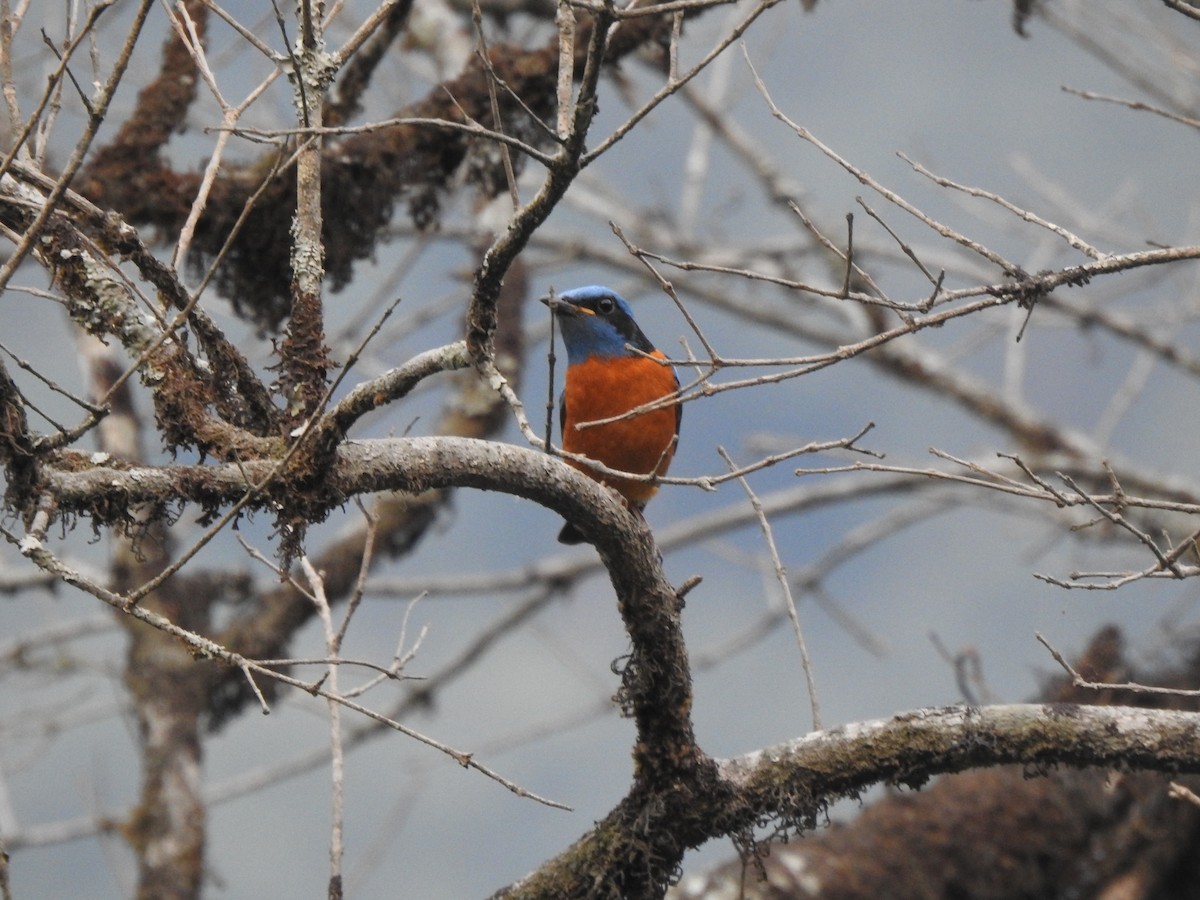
(603, 388)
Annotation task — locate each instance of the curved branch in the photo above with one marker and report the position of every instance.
(795, 782)
(911, 747)
(656, 682)
(412, 465)
(392, 385)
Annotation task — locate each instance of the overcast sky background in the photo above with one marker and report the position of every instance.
(946, 82)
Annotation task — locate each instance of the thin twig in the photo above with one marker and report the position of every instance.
(33, 549)
(781, 575)
(1010, 269)
(1138, 104)
(1079, 681)
(1074, 240)
(337, 758)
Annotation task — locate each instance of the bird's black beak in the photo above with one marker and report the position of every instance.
(561, 307)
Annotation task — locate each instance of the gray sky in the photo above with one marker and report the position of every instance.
(946, 82)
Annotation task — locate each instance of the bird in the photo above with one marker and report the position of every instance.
(611, 369)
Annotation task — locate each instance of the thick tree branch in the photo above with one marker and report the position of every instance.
(999, 833)
(412, 465)
(793, 783)
(911, 747)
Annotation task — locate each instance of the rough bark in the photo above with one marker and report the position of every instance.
(1008, 832)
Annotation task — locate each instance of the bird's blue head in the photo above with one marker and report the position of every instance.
(596, 321)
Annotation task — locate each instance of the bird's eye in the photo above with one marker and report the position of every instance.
(605, 305)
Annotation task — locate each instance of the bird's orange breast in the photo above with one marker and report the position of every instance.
(601, 388)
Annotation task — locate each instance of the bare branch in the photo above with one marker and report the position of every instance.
(784, 583)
